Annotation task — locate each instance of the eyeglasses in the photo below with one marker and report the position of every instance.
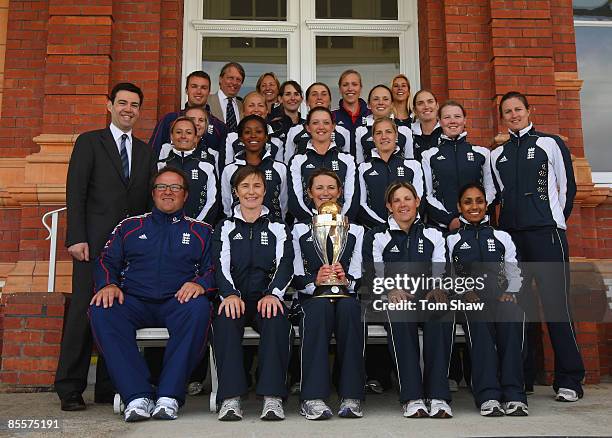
(172, 187)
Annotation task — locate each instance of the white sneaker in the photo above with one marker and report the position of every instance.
(440, 409)
(315, 410)
(516, 409)
(566, 395)
(166, 408)
(415, 409)
(350, 408)
(491, 408)
(230, 410)
(272, 409)
(139, 409)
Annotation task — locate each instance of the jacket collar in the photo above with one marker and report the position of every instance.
(460, 137)
(522, 132)
(240, 155)
(417, 129)
(375, 153)
(394, 226)
(238, 213)
(465, 224)
(183, 154)
(161, 217)
(332, 145)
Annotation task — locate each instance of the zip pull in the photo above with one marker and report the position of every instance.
(251, 232)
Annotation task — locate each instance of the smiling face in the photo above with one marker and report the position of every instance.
(124, 110)
(380, 102)
(324, 188)
(452, 121)
(318, 96)
(197, 91)
(251, 191)
(184, 137)
(384, 135)
(473, 205)
(269, 89)
(320, 126)
(514, 114)
(400, 90)
(350, 88)
(255, 104)
(198, 115)
(403, 206)
(231, 81)
(166, 200)
(254, 136)
(291, 99)
(426, 107)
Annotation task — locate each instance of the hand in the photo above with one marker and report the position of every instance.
(471, 296)
(269, 306)
(79, 251)
(106, 296)
(339, 271)
(507, 298)
(325, 272)
(233, 305)
(398, 295)
(454, 224)
(437, 295)
(187, 291)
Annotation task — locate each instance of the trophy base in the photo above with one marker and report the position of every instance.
(331, 291)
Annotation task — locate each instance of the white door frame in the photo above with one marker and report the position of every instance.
(301, 30)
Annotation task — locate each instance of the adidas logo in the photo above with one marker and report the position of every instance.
(143, 237)
(441, 157)
(369, 139)
(238, 236)
(305, 135)
(309, 239)
(373, 173)
(465, 246)
(394, 249)
(502, 159)
(310, 166)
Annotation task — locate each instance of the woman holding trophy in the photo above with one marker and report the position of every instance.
(404, 245)
(254, 256)
(327, 267)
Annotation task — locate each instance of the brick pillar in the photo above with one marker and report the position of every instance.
(468, 48)
(31, 331)
(432, 48)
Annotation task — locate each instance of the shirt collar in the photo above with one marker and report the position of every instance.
(311, 147)
(238, 213)
(375, 153)
(181, 153)
(459, 137)
(222, 96)
(393, 225)
(522, 131)
(117, 133)
(417, 130)
(484, 220)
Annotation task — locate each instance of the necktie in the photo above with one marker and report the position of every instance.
(230, 116)
(125, 162)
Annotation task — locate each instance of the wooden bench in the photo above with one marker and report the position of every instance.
(157, 337)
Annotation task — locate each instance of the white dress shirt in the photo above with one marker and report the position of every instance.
(117, 133)
(223, 104)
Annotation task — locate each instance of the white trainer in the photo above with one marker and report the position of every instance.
(440, 409)
(139, 409)
(566, 395)
(415, 409)
(272, 409)
(491, 408)
(230, 410)
(166, 408)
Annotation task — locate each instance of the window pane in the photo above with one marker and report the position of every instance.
(357, 9)
(594, 52)
(245, 10)
(593, 9)
(375, 58)
(257, 56)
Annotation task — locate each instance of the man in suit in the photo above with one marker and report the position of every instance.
(108, 180)
(225, 105)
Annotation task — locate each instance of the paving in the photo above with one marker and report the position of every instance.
(591, 416)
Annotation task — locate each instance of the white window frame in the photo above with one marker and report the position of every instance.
(600, 179)
(301, 30)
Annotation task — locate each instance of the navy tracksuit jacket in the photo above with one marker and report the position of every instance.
(536, 188)
(364, 143)
(214, 136)
(298, 138)
(343, 118)
(276, 185)
(321, 317)
(449, 166)
(203, 200)
(496, 335)
(301, 167)
(150, 257)
(233, 145)
(252, 260)
(375, 176)
(388, 250)
(422, 142)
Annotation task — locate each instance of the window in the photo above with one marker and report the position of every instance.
(593, 24)
(275, 10)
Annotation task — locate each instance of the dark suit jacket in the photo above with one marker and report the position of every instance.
(97, 195)
(215, 107)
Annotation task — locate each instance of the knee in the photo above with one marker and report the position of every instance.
(98, 315)
(197, 311)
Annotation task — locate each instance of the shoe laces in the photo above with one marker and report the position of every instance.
(232, 403)
(272, 404)
(141, 403)
(490, 404)
(351, 403)
(168, 402)
(316, 405)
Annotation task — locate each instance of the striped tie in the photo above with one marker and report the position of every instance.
(230, 116)
(125, 162)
